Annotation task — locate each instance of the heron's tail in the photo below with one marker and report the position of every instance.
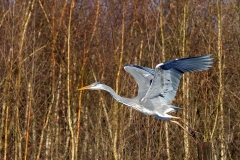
(174, 108)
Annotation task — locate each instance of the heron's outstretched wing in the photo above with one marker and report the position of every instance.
(142, 75)
(167, 76)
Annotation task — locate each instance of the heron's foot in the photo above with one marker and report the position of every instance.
(192, 133)
(196, 135)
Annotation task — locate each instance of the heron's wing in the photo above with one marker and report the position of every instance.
(167, 76)
(142, 75)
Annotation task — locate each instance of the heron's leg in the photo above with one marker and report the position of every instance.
(195, 134)
(191, 134)
(193, 131)
(176, 122)
(180, 119)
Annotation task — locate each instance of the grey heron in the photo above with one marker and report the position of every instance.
(157, 87)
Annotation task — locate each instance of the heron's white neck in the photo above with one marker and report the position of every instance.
(127, 101)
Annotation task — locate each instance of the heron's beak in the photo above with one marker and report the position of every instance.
(83, 88)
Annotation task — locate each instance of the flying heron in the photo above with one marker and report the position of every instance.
(157, 87)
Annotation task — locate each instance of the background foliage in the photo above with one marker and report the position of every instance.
(50, 48)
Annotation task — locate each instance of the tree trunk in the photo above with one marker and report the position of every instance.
(185, 80)
(221, 87)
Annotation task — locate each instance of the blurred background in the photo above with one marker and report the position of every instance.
(51, 48)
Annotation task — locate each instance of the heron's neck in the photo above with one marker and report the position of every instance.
(124, 100)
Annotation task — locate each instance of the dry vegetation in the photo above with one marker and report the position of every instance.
(49, 49)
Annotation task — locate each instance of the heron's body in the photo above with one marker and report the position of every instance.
(157, 87)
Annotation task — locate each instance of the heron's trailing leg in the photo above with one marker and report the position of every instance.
(180, 119)
(192, 133)
(193, 130)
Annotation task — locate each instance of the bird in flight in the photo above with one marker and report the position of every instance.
(157, 87)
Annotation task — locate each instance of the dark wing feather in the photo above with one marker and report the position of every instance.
(167, 76)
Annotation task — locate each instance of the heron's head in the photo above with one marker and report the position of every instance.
(93, 86)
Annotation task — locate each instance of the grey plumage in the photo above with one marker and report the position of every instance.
(157, 87)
